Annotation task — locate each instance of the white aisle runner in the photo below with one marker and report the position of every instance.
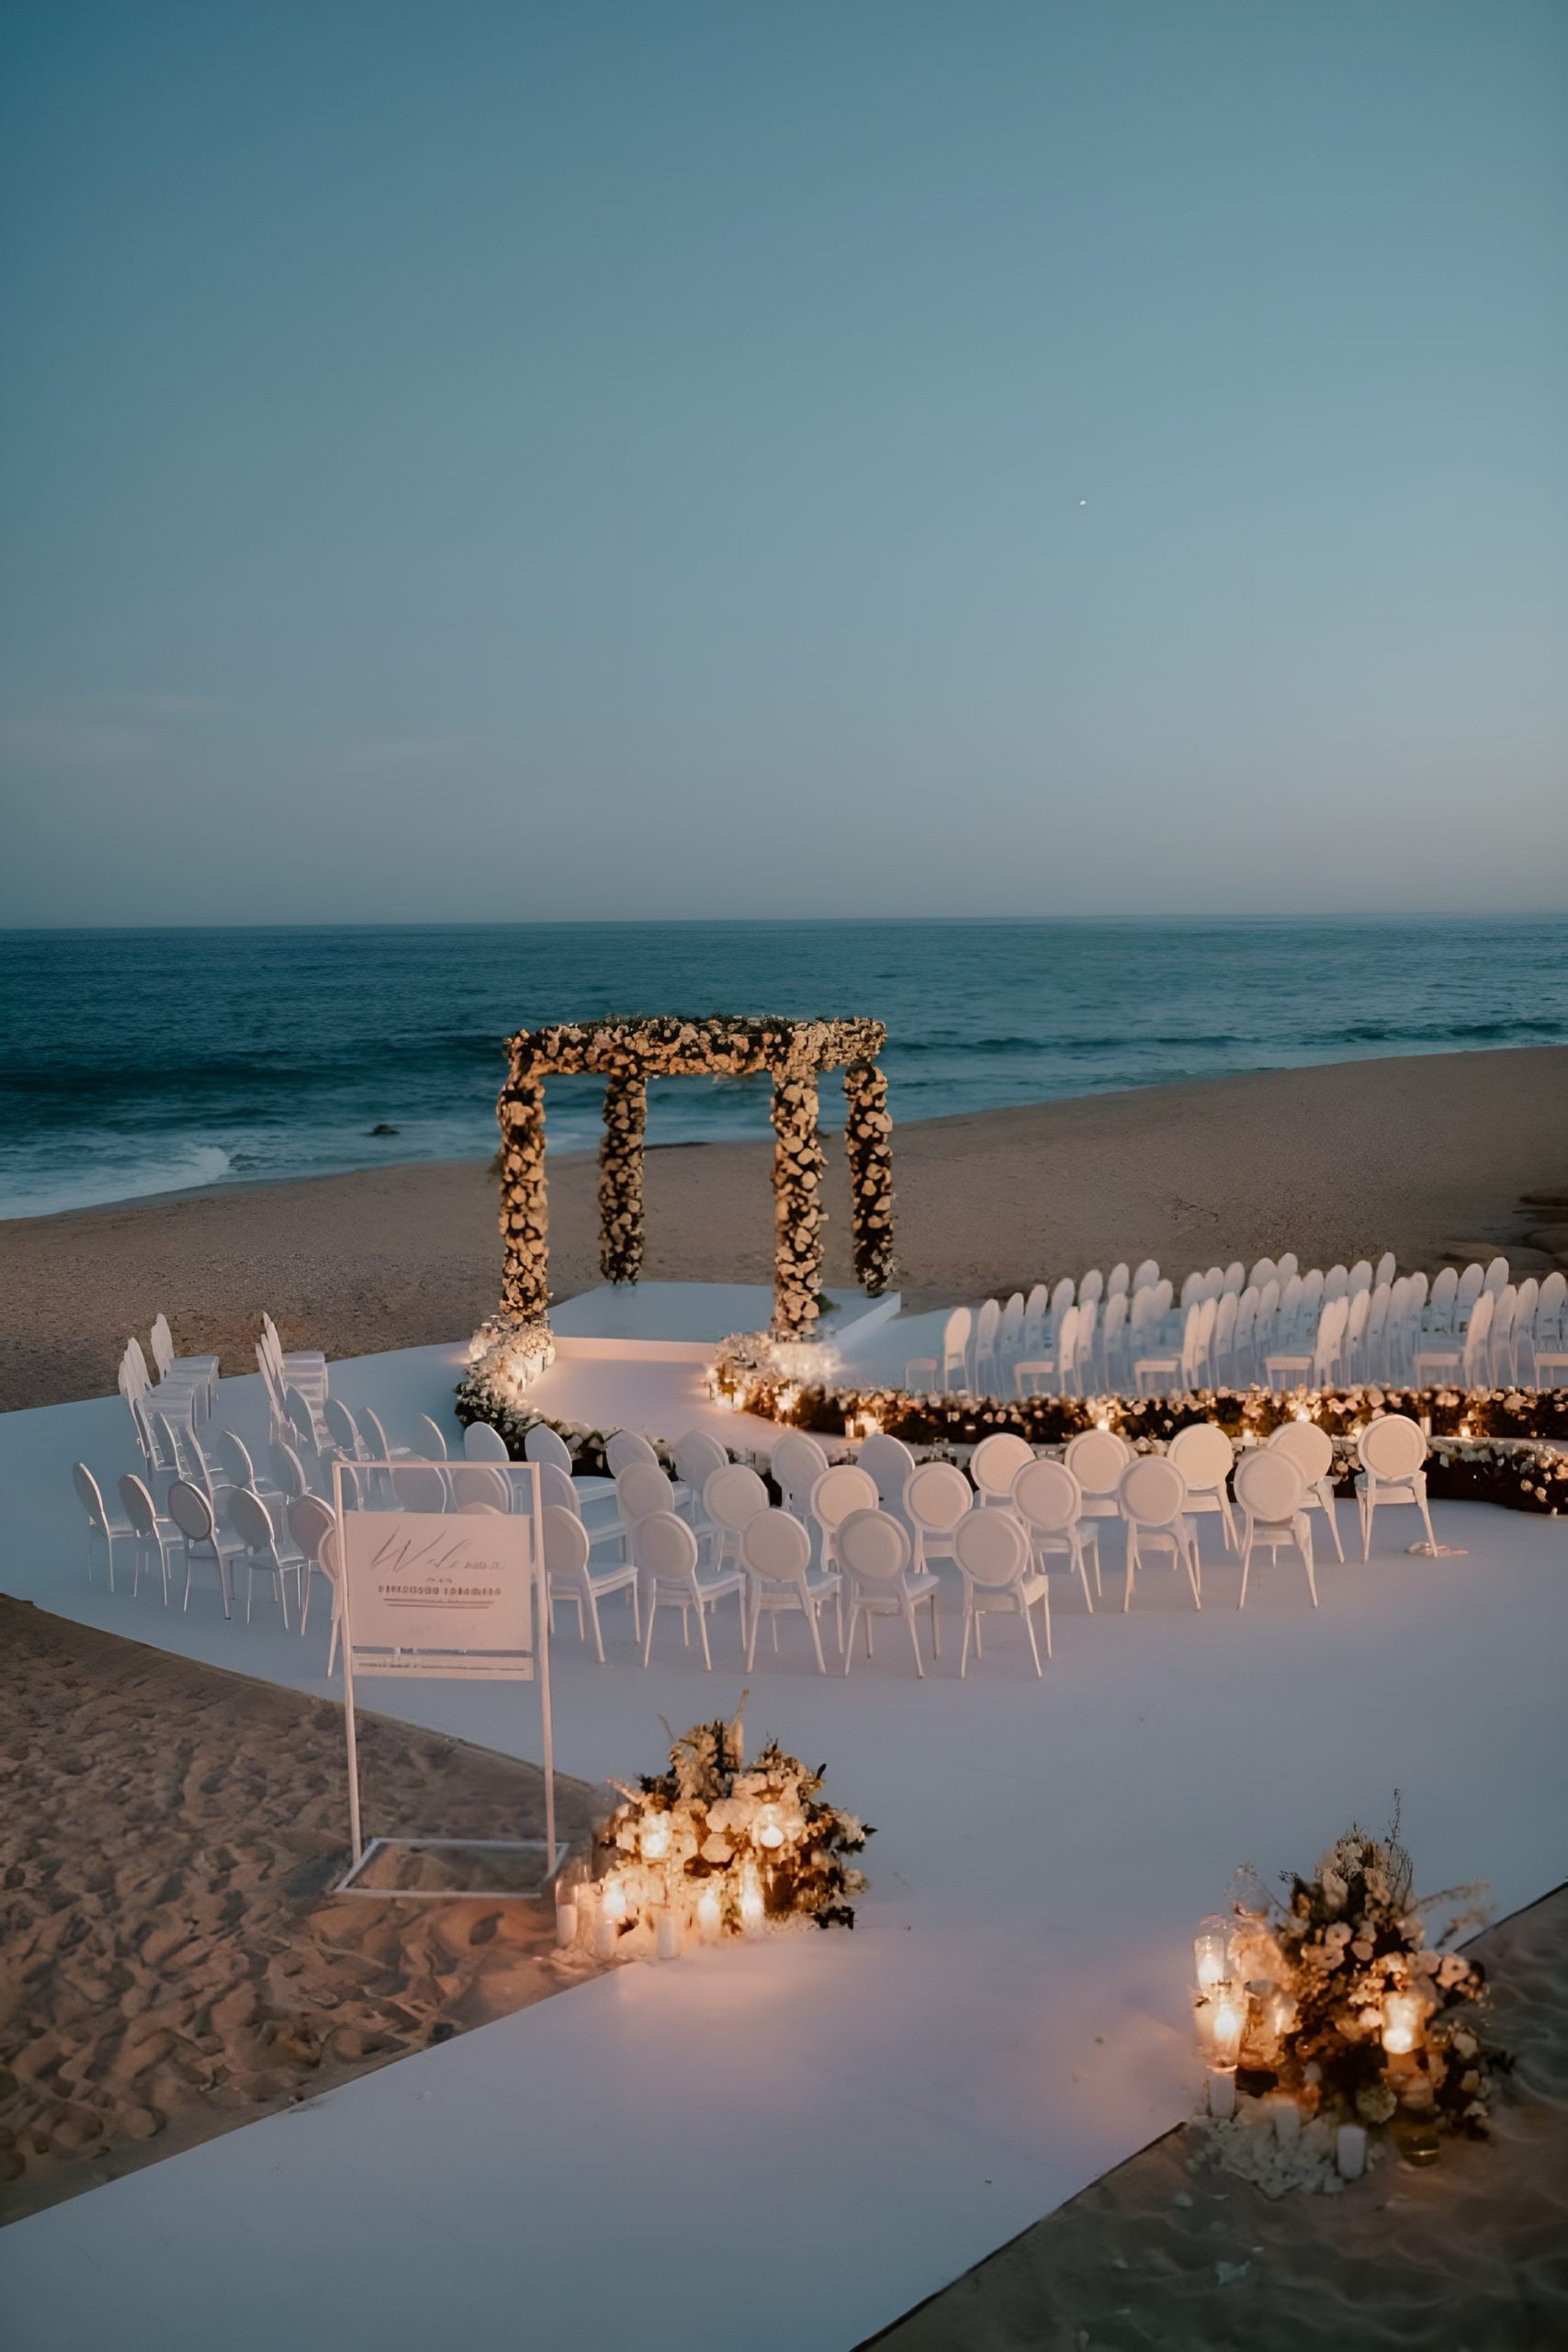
(779, 2148)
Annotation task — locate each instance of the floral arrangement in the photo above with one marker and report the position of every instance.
(729, 1846)
(627, 1052)
(505, 1358)
(1486, 1444)
(1353, 2008)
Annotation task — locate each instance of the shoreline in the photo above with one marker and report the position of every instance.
(1438, 1157)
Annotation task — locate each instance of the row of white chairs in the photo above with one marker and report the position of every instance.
(1347, 1325)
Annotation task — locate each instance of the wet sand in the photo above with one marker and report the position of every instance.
(1439, 1158)
(1171, 2254)
(171, 1961)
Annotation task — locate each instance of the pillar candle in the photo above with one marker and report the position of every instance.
(1350, 2151)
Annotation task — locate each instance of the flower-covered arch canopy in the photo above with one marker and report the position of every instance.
(626, 1054)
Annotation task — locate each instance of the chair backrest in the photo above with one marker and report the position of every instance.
(545, 1444)
(996, 1462)
(990, 1547)
(1288, 1265)
(556, 1490)
(1096, 1459)
(1010, 1330)
(1292, 1295)
(86, 1486)
(139, 1507)
(956, 1334)
(888, 1461)
(1225, 1318)
(1391, 1447)
(1061, 1298)
(1360, 1307)
(840, 1491)
(1264, 1270)
(642, 1488)
(1092, 1287)
(235, 1460)
(986, 1324)
(479, 1482)
(1445, 1289)
(1470, 1284)
(1235, 1279)
(429, 1439)
(1553, 1292)
(1145, 1275)
(419, 1487)
(1204, 1454)
(937, 1497)
(565, 1541)
(1119, 1279)
(775, 1543)
(1191, 1291)
(1115, 1316)
(482, 1443)
(1269, 1298)
(309, 1523)
(373, 1435)
(163, 1344)
(251, 1520)
(190, 1511)
(1269, 1485)
(1152, 1491)
(1361, 1276)
(1387, 1267)
(288, 1471)
(1046, 1496)
(798, 1462)
(1067, 1338)
(1477, 1337)
(626, 1447)
(1083, 1339)
(1310, 1448)
(664, 1545)
(300, 1418)
(733, 1496)
(338, 1422)
(1496, 1275)
(873, 1546)
(697, 1456)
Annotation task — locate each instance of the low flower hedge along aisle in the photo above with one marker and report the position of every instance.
(1337, 2013)
(712, 1847)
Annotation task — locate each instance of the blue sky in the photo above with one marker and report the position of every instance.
(485, 460)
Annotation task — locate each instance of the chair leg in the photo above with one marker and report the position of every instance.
(1327, 1491)
(1033, 1645)
(593, 1599)
(1227, 1521)
(1426, 1516)
(1132, 1564)
(637, 1611)
(849, 1645)
(1194, 1570)
(936, 1629)
(1368, 1507)
(1083, 1573)
(968, 1626)
(1246, 1565)
(752, 1635)
(1306, 1559)
(702, 1629)
(914, 1637)
(816, 1638)
(1045, 1607)
(647, 1623)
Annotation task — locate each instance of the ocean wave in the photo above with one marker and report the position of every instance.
(45, 1192)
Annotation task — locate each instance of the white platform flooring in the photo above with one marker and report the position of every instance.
(783, 2146)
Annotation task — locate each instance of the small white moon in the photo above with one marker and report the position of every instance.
(1083, 502)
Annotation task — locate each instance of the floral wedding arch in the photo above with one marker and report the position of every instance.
(626, 1054)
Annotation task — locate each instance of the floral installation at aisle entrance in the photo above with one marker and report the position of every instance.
(1488, 1445)
(715, 1847)
(1337, 2012)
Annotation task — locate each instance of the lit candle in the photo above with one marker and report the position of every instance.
(566, 1917)
(1221, 2097)
(613, 1900)
(1211, 1952)
(1287, 2120)
(1401, 2023)
(667, 1934)
(710, 1913)
(655, 1836)
(769, 1832)
(1229, 2016)
(1350, 2151)
(750, 1901)
(606, 1935)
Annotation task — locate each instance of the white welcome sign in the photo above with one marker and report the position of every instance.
(446, 1595)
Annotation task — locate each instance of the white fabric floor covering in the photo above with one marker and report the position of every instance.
(782, 2145)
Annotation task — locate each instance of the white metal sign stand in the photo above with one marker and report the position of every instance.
(445, 1595)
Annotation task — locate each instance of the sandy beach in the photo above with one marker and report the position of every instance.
(171, 1963)
(1438, 1157)
(1170, 2250)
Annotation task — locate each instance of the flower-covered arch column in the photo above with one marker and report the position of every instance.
(626, 1054)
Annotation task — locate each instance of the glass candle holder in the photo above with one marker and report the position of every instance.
(1401, 2023)
(1212, 1951)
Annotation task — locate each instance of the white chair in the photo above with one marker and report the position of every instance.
(999, 1571)
(775, 1554)
(570, 1577)
(1049, 1502)
(310, 1438)
(422, 1486)
(1091, 1289)
(288, 1476)
(1311, 1450)
(664, 1552)
(192, 1513)
(1288, 1265)
(343, 1431)
(642, 1488)
(1204, 1455)
(996, 1463)
(1113, 1344)
(697, 1456)
(1153, 1498)
(1222, 1357)
(872, 1550)
(1271, 1492)
(1119, 1279)
(1391, 1450)
(473, 1483)
(151, 1535)
(1054, 1370)
(1469, 1363)
(1521, 1351)
(955, 1348)
(1500, 1339)
(987, 1368)
(1387, 1268)
(935, 1498)
(1082, 1376)
(431, 1443)
(888, 1463)
(237, 1469)
(1440, 1306)
(314, 1532)
(482, 1443)
(1009, 1338)
(199, 1372)
(547, 1447)
(1496, 1277)
(261, 1549)
(626, 1447)
(102, 1525)
(303, 1368)
(1469, 1291)
(798, 1463)
(732, 1499)
(1097, 1459)
(1264, 1270)
(839, 1492)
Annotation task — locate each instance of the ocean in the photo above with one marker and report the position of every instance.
(136, 1062)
